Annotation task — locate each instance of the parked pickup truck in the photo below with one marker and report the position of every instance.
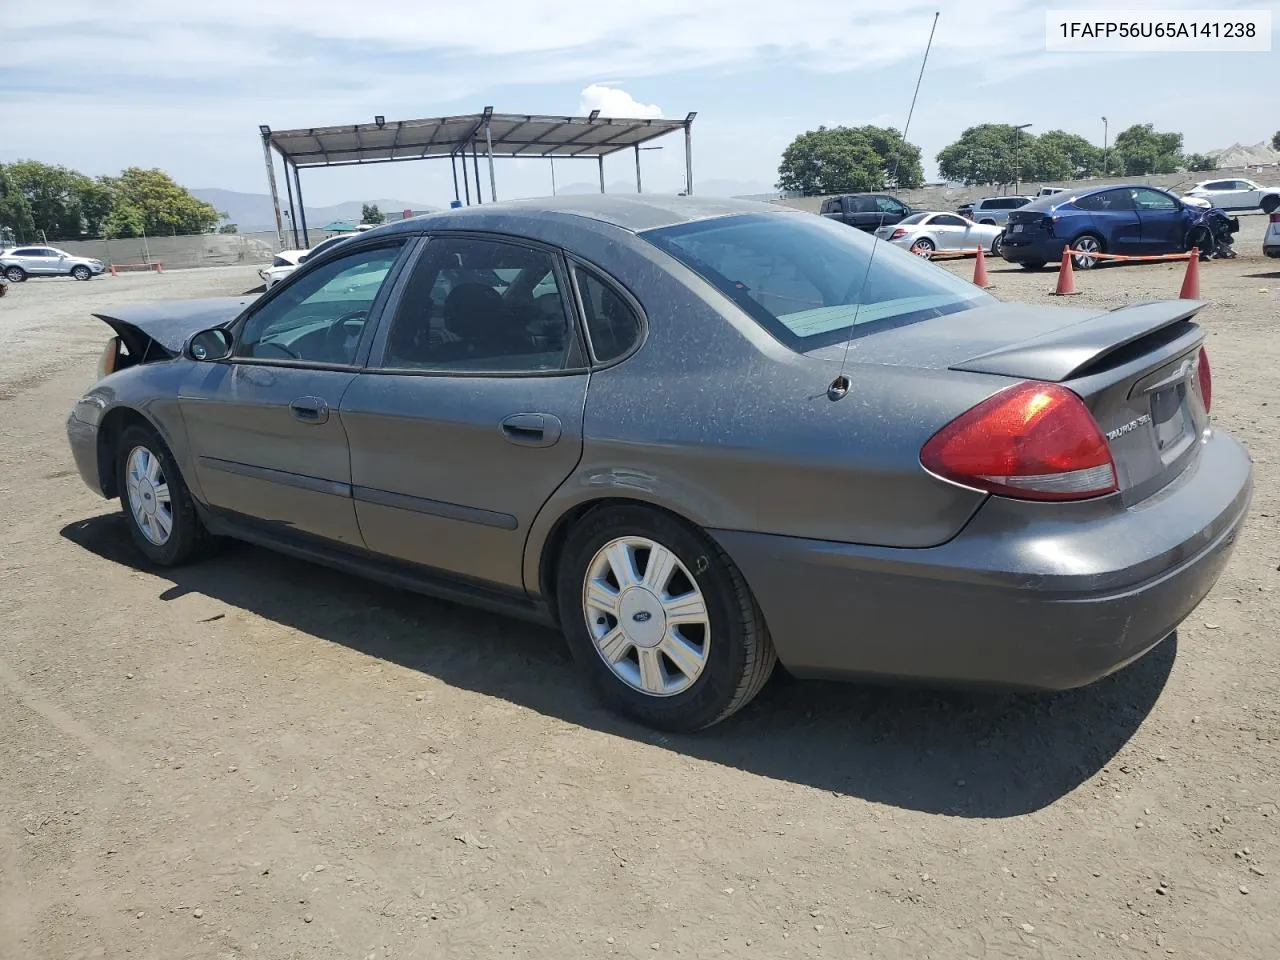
(866, 211)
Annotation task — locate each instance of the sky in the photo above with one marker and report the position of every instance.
(184, 85)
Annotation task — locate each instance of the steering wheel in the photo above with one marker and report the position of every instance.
(340, 330)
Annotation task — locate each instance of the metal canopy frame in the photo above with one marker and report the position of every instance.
(500, 134)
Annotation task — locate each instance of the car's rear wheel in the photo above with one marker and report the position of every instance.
(1088, 244)
(923, 248)
(997, 243)
(1270, 203)
(15, 274)
(988, 222)
(81, 272)
(660, 619)
(158, 507)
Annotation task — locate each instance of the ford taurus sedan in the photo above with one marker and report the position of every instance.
(700, 436)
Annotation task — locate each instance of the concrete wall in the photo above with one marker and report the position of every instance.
(202, 250)
(948, 198)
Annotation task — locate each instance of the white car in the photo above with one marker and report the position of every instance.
(1050, 191)
(19, 263)
(923, 233)
(1237, 195)
(1271, 241)
(287, 261)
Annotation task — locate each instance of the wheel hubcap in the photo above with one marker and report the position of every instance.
(148, 493)
(646, 616)
(1088, 245)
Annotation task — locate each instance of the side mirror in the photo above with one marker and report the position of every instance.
(208, 345)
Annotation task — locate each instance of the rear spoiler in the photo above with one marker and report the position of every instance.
(1066, 353)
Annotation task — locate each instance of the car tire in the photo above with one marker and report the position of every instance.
(186, 536)
(1091, 242)
(15, 274)
(997, 243)
(81, 272)
(720, 662)
(1033, 264)
(923, 248)
(987, 223)
(1270, 203)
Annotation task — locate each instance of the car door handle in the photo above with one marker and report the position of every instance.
(532, 429)
(310, 410)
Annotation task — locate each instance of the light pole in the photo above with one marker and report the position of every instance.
(1017, 160)
(1104, 146)
(553, 175)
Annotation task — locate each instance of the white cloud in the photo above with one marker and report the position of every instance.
(612, 102)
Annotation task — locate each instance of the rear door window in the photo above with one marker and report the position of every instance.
(806, 279)
(613, 327)
(1107, 201)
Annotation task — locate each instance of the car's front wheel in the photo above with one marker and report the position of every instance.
(15, 274)
(157, 504)
(660, 619)
(81, 272)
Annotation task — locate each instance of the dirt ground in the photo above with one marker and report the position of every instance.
(254, 757)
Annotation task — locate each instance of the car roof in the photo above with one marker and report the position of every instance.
(635, 214)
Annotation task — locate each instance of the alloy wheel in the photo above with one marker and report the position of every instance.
(646, 616)
(1086, 246)
(148, 492)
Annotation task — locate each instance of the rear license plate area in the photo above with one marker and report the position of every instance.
(1172, 422)
(1016, 228)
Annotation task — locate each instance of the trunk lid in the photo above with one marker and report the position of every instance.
(1135, 368)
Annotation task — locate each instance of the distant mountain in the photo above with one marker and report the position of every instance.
(253, 211)
(705, 188)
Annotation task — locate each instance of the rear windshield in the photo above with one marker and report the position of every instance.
(806, 278)
(914, 218)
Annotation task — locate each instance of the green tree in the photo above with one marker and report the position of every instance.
(229, 228)
(1197, 162)
(64, 204)
(986, 154)
(369, 213)
(150, 201)
(849, 160)
(15, 211)
(1059, 155)
(1275, 140)
(1140, 150)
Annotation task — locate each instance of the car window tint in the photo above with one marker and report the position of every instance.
(482, 306)
(914, 218)
(1152, 200)
(25, 252)
(888, 205)
(320, 317)
(1107, 201)
(612, 325)
(946, 220)
(806, 278)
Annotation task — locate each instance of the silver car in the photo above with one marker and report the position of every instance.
(924, 233)
(700, 437)
(22, 262)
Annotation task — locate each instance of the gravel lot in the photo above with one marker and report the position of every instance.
(254, 757)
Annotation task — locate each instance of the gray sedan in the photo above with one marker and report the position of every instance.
(924, 233)
(699, 436)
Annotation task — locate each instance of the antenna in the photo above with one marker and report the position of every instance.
(840, 385)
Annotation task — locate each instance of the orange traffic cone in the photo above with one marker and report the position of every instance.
(1066, 276)
(980, 272)
(1191, 282)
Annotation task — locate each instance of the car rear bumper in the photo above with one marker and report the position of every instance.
(1040, 250)
(1013, 601)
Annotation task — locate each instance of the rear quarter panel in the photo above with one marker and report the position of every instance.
(716, 421)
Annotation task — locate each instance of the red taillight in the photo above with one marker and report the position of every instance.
(1275, 217)
(898, 234)
(1205, 379)
(1035, 441)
